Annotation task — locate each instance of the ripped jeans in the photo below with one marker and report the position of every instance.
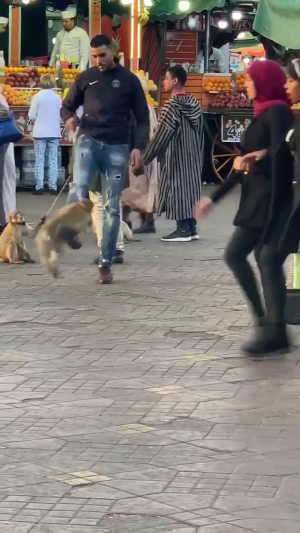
(111, 161)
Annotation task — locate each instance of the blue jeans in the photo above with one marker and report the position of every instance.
(41, 146)
(111, 161)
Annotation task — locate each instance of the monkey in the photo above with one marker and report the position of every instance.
(62, 229)
(12, 247)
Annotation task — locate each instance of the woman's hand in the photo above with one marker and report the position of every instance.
(203, 207)
(253, 157)
(239, 164)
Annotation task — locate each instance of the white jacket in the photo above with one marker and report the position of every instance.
(74, 44)
(217, 56)
(45, 113)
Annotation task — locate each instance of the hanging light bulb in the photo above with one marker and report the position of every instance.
(223, 24)
(236, 15)
(148, 3)
(25, 1)
(184, 5)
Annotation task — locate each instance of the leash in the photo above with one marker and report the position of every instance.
(53, 203)
(58, 196)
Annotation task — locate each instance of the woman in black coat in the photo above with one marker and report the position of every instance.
(290, 240)
(265, 206)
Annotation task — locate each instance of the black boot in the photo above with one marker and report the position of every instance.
(146, 227)
(268, 339)
(147, 224)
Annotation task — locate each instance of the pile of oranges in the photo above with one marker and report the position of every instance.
(240, 81)
(20, 98)
(218, 83)
(41, 70)
(70, 75)
(15, 97)
(222, 83)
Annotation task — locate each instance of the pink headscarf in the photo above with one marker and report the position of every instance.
(269, 80)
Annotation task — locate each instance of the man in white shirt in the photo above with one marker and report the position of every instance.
(72, 42)
(216, 58)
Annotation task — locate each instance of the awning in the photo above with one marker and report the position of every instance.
(278, 20)
(169, 8)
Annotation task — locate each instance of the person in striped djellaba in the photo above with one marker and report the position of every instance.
(178, 146)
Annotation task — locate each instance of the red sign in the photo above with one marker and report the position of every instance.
(242, 25)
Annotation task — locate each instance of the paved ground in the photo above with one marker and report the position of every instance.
(128, 408)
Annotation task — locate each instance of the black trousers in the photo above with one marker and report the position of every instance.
(270, 264)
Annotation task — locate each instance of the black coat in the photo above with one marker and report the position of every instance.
(267, 191)
(291, 236)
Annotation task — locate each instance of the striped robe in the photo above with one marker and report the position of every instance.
(178, 146)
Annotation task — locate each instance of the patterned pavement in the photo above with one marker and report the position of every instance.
(129, 409)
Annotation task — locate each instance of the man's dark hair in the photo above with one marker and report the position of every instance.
(179, 73)
(100, 40)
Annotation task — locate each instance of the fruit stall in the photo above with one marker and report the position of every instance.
(227, 113)
(22, 83)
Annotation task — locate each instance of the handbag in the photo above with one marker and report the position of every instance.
(9, 131)
(136, 195)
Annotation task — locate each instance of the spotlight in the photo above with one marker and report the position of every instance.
(184, 5)
(236, 15)
(223, 24)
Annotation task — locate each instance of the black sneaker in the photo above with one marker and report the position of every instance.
(178, 236)
(53, 192)
(119, 257)
(195, 236)
(38, 192)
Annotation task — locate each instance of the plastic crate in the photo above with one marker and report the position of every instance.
(28, 155)
(28, 176)
(18, 177)
(292, 310)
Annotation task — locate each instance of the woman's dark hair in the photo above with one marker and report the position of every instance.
(291, 71)
(179, 73)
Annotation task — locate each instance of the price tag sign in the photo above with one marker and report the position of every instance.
(233, 127)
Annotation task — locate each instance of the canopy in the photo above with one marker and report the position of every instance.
(278, 20)
(169, 9)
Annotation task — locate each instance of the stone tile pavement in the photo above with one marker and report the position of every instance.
(128, 408)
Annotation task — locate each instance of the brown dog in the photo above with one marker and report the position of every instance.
(62, 229)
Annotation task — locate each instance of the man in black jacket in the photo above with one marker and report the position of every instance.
(108, 93)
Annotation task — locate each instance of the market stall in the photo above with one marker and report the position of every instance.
(190, 39)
